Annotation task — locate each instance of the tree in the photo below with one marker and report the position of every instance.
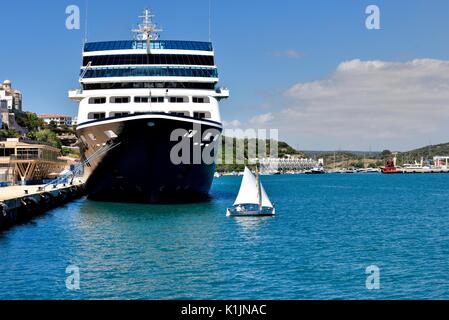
(29, 121)
(53, 126)
(47, 135)
(9, 133)
(386, 154)
(358, 165)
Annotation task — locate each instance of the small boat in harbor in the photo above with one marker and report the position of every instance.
(252, 200)
(390, 167)
(316, 170)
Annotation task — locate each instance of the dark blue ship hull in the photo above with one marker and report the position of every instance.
(141, 164)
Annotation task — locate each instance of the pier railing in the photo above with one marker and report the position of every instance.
(27, 157)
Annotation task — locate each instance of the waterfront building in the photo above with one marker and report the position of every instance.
(134, 95)
(441, 161)
(10, 103)
(9, 97)
(26, 160)
(4, 113)
(58, 119)
(290, 164)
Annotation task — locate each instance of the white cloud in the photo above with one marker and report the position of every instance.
(261, 119)
(232, 124)
(293, 54)
(363, 103)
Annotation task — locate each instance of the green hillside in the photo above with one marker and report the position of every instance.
(427, 152)
(230, 149)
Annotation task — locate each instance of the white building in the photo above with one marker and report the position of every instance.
(9, 97)
(269, 165)
(58, 119)
(10, 102)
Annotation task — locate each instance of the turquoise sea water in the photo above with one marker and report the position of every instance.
(328, 229)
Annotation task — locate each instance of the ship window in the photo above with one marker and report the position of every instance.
(180, 113)
(97, 100)
(119, 114)
(200, 100)
(177, 100)
(96, 115)
(157, 99)
(147, 99)
(120, 99)
(201, 115)
(141, 99)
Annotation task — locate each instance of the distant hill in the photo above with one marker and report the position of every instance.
(318, 153)
(427, 152)
(347, 159)
(283, 150)
(359, 158)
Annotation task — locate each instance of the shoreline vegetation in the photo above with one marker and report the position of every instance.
(334, 159)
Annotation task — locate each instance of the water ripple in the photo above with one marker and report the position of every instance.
(329, 228)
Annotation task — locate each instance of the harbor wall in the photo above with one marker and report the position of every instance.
(22, 208)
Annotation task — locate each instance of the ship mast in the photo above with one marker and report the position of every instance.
(147, 30)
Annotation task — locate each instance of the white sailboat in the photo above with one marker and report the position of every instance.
(252, 199)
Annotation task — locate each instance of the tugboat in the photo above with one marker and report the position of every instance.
(390, 167)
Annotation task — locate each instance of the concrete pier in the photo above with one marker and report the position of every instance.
(19, 204)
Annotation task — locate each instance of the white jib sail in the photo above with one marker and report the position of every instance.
(265, 200)
(248, 193)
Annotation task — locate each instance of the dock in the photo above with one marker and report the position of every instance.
(19, 204)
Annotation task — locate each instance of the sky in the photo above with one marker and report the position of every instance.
(310, 69)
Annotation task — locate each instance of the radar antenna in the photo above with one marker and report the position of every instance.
(147, 30)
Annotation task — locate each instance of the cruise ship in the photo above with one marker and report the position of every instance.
(148, 118)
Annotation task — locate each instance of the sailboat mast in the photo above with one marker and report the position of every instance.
(259, 188)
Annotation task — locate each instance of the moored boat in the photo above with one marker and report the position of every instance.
(390, 167)
(316, 170)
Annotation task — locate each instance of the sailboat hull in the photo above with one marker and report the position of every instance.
(265, 212)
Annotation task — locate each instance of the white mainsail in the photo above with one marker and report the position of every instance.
(249, 193)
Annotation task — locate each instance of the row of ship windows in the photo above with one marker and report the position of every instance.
(142, 44)
(151, 72)
(195, 114)
(160, 85)
(149, 59)
(147, 99)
